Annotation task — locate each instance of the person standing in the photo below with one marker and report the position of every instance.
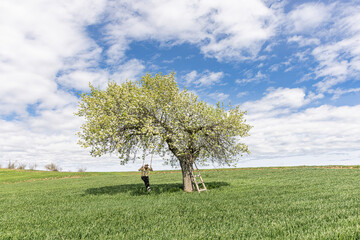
(145, 171)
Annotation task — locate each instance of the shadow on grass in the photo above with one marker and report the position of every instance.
(139, 189)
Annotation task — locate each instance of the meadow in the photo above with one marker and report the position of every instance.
(259, 203)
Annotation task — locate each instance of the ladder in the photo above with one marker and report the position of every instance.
(195, 181)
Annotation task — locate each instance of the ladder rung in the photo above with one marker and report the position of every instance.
(198, 183)
(201, 181)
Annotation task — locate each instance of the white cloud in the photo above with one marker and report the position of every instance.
(307, 17)
(242, 94)
(335, 47)
(274, 67)
(246, 26)
(303, 56)
(191, 77)
(338, 92)
(35, 143)
(218, 96)
(304, 41)
(37, 39)
(277, 101)
(79, 78)
(210, 78)
(253, 79)
(223, 29)
(297, 131)
(130, 70)
(338, 61)
(204, 79)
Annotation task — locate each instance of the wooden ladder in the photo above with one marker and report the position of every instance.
(195, 182)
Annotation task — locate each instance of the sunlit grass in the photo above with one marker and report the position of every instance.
(284, 203)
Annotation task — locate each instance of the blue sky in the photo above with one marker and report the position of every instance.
(293, 65)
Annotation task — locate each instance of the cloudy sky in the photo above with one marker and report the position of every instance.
(293, 65)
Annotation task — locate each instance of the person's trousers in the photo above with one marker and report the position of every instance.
(146, 180)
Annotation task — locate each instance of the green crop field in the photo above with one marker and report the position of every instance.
(260, 203)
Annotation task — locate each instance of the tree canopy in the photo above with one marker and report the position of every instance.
(154, 115)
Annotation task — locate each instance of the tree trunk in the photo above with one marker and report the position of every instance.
(186, 168)
(186, 164)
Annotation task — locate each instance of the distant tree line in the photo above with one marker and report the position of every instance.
(50, 167)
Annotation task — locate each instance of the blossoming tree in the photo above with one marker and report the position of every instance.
(153, 115)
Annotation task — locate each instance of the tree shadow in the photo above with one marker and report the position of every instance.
(139, 189)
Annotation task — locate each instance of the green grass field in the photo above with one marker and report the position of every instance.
(266, 203)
